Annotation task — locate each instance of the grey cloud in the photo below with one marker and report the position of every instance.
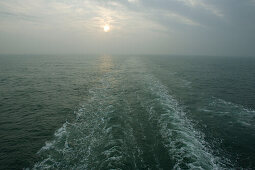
(9, 15)
(179, 26)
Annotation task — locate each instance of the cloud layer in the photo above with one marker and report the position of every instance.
(137, 26)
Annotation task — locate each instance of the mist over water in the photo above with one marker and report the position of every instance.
(127, 112)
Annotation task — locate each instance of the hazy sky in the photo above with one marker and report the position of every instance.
(211, 27)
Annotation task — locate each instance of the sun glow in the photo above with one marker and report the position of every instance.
(106, 28)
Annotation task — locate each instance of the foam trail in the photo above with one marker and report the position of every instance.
(128, 121)
(186, 145)
(100, 137)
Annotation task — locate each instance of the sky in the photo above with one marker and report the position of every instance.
(179, 27)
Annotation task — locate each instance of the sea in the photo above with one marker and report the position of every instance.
(127, 112)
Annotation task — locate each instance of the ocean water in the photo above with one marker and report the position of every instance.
(127, 112)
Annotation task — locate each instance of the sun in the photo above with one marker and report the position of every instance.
(106, 28)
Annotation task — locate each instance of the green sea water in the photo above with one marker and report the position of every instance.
(127, 112)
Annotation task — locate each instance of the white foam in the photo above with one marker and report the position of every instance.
(48, 145)
(238, 114)
(181, 139)
(88, 142)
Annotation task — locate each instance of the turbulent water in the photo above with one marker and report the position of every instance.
(127, 112)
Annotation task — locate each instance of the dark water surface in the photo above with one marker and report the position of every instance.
(127, 112)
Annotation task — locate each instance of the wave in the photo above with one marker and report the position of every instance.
(231, 112)
(128, 121)
(186, 146)
(100, 136)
